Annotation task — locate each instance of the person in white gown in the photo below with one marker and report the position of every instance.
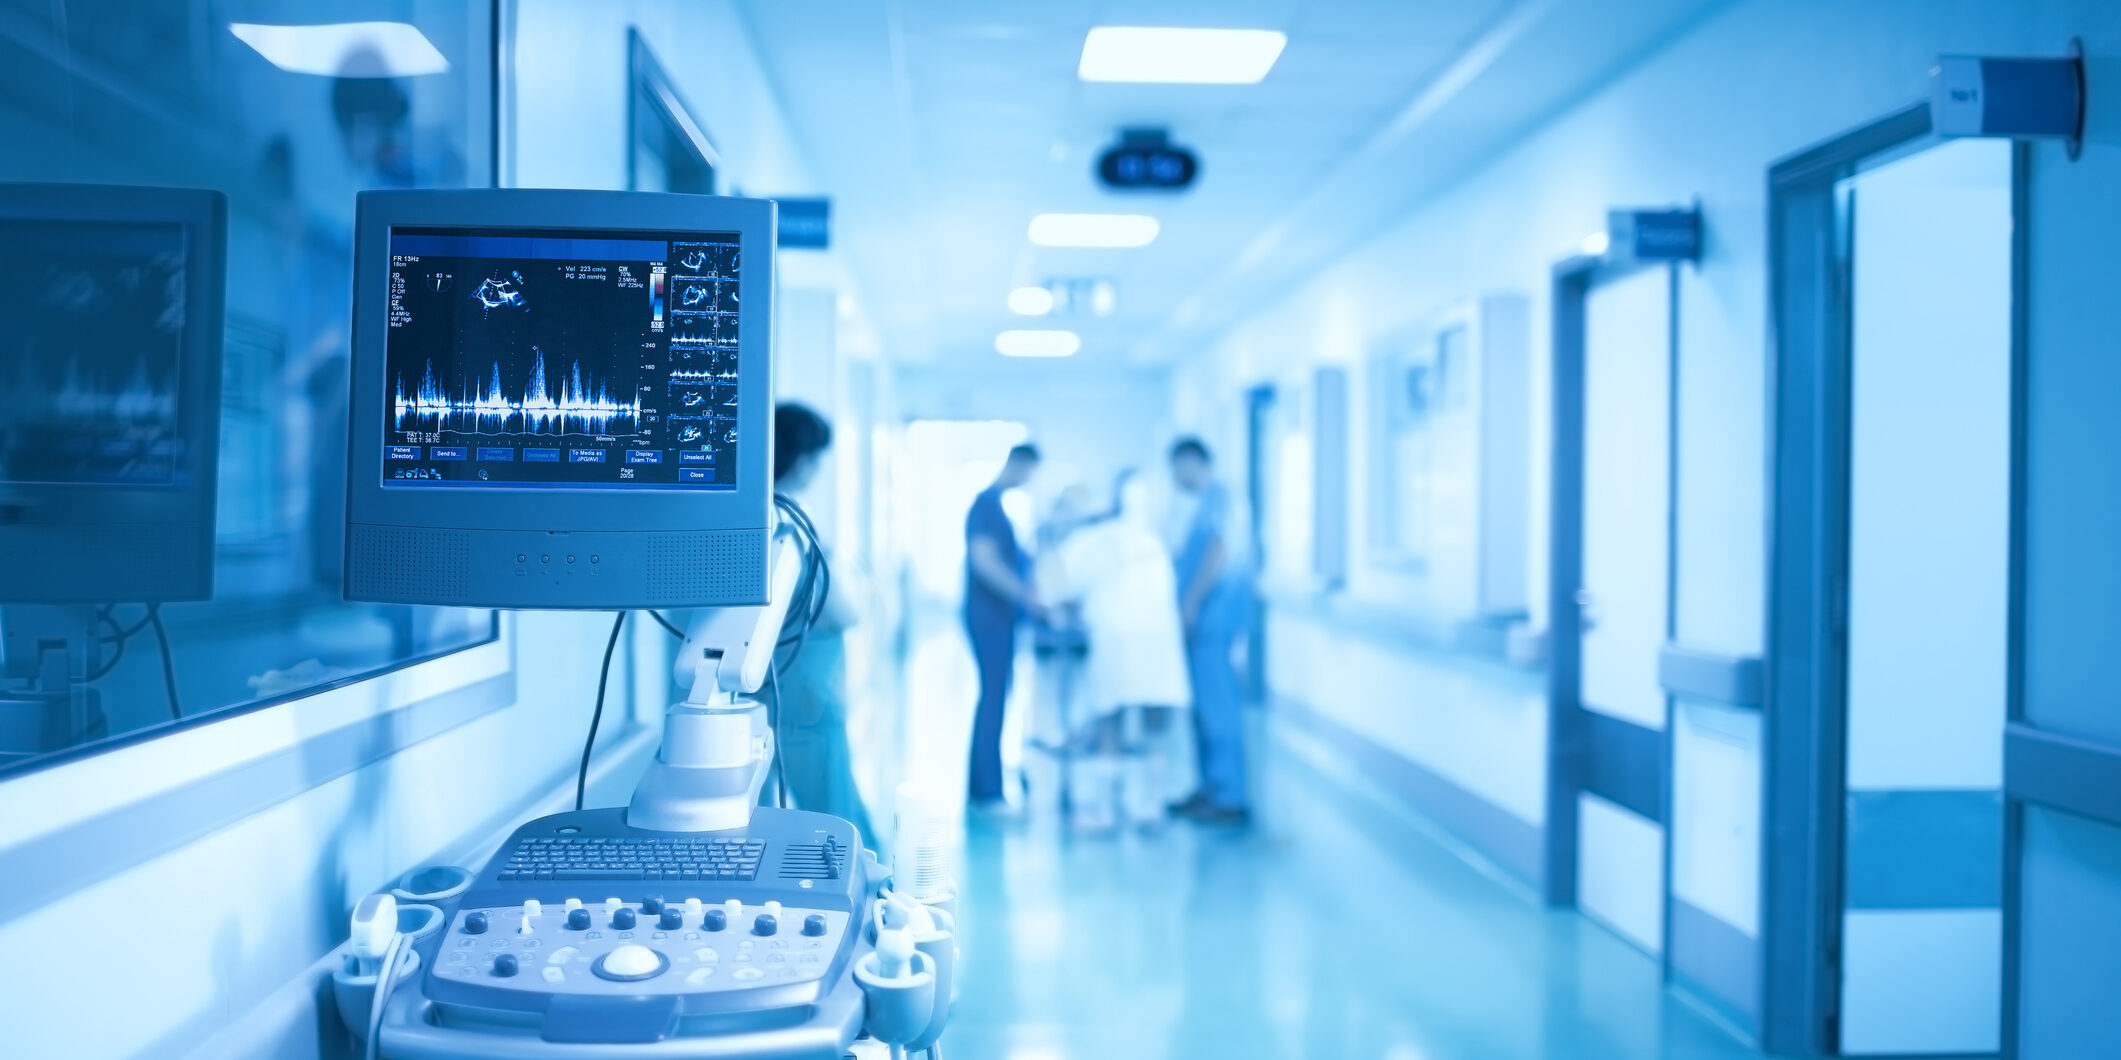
(1118, 573)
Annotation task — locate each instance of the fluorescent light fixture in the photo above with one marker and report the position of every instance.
(1031, 301)
(1037, 343)
(1094, 230)
(1104, 298)
(1174, 56)
(344, 49)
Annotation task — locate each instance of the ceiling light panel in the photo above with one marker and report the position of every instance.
(1027, 343)
(1177, 56)
(344, 49)
(1093, 230)
(1031, 301)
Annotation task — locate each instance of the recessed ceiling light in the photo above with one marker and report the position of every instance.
(1037, 343)
(1175, 56)
(1031, 301)
(1093, 230)
(344, 49)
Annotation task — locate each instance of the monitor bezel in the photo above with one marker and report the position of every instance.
(557, 508)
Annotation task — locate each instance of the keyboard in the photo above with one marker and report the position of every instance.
(702, 858)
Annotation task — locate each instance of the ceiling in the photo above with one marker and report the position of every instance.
(940, 127)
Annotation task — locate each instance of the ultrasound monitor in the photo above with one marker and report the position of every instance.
(560, 399)
(110, 391)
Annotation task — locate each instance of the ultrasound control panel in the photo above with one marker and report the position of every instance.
(582, 909)
(656, 946)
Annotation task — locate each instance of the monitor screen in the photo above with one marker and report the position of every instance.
(561, 359)
(91, 353)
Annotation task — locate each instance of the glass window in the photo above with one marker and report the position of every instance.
(1417, 391)
(174, 362)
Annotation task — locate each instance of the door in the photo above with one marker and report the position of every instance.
(1927, 599)
(1624, 600)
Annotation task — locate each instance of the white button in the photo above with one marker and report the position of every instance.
(735, 909)
(632, 960)
(693, 908)
(699, 977)
(555, 975)
(773, 909)
(705, 956)
(611, 905)
(532, 908)
(573, 904)
(561, 955)
(525, 929)
(748, 974)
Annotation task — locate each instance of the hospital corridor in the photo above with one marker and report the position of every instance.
(1083, 530)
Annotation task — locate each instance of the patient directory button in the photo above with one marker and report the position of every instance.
(402, 452)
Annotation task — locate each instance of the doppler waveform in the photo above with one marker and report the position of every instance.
(576, 407)
(90, 400)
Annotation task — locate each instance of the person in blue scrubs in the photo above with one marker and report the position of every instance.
(998, 593)
(810, 686)
(1213, 600)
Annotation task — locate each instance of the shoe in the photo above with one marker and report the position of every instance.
(993, 809)
(1193, 804)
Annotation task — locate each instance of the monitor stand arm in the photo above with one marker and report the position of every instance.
(717, 744)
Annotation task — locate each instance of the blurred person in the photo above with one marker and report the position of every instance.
(998, 594)
(1117, 571)
(810, 689)
(1212, 601)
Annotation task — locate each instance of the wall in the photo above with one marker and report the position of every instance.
(1088, 423)
(240, 916)
(1703, 117)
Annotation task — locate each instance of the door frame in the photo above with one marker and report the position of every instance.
(1804, 752)
(1623, 763)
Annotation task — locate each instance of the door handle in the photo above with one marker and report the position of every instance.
(1586, 611)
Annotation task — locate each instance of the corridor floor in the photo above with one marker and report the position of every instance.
(1333, 929)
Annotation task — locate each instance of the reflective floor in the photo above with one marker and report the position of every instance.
(1340, 927)
(1334, 929)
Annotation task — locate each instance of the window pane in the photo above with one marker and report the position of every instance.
(174, 363)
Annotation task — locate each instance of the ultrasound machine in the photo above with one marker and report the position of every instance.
(560, 399)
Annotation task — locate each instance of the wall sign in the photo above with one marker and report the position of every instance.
(806, 224)
(1146, 160)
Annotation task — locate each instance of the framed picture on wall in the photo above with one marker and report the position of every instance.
(666, 149)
